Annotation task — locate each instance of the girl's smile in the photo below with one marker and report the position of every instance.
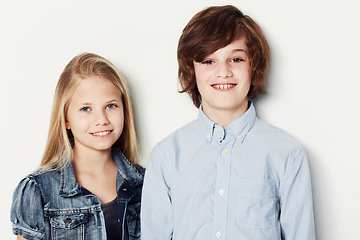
(95, 115)
(102, 133)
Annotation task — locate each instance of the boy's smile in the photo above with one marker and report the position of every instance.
(223, 86)
(223, 79)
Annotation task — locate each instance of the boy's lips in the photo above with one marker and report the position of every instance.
(223, 86)
(101, 133)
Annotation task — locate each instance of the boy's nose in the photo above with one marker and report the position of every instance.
(223, 70)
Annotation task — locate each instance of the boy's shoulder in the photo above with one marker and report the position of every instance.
(184, 132)
(273, 137)
(180, 138)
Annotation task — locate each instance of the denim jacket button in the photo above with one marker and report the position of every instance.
(67, 220)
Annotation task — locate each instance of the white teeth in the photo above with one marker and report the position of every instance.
(101, 133)
(224, 86)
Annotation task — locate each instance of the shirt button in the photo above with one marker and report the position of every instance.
(218, 234)
(221, 192)
(240, 137)
(224, 151)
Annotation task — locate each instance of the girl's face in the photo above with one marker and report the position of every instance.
(95, 115)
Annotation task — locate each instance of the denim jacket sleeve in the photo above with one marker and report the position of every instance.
(27, 214)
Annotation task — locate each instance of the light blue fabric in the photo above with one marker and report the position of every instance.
(248, 180)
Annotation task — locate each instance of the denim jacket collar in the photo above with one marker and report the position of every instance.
(69, 187)
(129, 173)
(237, 129)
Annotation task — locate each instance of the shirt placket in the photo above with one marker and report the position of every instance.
(221, 188)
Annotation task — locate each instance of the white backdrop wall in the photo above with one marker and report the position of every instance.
(312, 85)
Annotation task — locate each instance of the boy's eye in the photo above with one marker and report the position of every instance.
(85, 109)
(111, 106)
(237, 60)
(207, 62)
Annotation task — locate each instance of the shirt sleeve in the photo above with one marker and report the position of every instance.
(296, 206)
(27, 215)
(156, 209)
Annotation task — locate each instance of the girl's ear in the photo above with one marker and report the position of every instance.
(67, 125)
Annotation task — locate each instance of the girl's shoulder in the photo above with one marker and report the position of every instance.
(28, 203)
(35, 182)
(32, 183)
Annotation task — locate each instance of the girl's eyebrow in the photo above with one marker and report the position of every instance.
(85, 103)
(114, 100)
(88, 103)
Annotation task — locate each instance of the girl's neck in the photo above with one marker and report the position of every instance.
(96, 171)
(92, 161)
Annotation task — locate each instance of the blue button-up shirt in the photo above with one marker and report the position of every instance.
(249, 180)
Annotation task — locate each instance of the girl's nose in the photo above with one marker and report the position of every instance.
(223, 70)
(101, 118)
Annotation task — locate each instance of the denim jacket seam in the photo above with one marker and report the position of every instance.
(39, 185)
(31, 231)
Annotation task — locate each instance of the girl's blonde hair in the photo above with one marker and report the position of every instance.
(58, 151)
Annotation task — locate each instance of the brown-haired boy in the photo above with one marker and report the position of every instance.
(228, 174)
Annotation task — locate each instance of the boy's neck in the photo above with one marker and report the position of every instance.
(224, 117)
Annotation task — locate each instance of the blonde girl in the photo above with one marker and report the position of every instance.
(88, 185)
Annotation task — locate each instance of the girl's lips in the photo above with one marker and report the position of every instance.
(102, 133)
(223, 86)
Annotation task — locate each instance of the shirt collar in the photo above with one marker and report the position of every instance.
(129, 173)
(237, 129)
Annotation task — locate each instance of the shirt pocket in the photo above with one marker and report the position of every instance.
(257, 204)
(68, 225)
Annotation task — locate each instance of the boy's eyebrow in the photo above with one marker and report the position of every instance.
(240, 50)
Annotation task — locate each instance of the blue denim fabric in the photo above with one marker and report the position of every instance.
(52, 205)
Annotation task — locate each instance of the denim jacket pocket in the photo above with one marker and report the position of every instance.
(68, 225)
(133, 219)
(257, 204)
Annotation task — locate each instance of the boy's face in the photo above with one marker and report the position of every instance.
(223, 80)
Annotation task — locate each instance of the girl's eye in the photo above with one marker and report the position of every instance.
(85, 109)
(237, 60)
(208, 62)
(111, 106)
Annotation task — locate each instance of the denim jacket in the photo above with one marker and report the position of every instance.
(52, 205)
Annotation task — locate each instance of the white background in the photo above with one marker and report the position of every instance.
(313, 83)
